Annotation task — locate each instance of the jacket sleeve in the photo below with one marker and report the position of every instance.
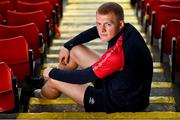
(74, 77)
(83, 37)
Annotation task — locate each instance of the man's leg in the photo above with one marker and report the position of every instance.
(53, 88)
(80, 56)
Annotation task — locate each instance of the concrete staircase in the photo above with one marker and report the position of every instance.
(79, 15)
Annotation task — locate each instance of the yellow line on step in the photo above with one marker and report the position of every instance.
(101, 115)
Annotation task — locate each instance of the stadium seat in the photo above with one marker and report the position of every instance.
(38, 17)
(15, 52)
(57, 4)
(153, 6)
(170, 30)
(170, 45)
(175, 59)
(4, 7)
(45, 6)
(161, 17)
(7, 101)
(30, 32)
(12, 1)
(31, 7)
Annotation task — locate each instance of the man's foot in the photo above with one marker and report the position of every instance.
(37, 93)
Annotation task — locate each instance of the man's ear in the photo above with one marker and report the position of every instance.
(121, 24)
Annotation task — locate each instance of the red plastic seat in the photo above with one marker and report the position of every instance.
(14, 51)
(37, 17)
(170, 30)
(36, 1)
(4, 7)
(31, 7)
(54, 3)
(153, 6)
(7, 101)
(45, 6)
(162, 16)
(12, 1)
(175, 58)
(30, 33)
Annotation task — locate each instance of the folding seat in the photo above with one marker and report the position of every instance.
(30, 32)
(175, 65)
(170, 30)
(12, 1)
(45, 6)
(7, 101)
(162, 16)
(153, 5)
(4, 7)
(38, 17)
(57, 4)
(170, 45)
(15, 52)
(31, 7)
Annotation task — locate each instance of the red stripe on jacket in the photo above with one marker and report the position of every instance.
(111, 61)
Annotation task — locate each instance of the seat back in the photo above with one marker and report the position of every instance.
(20, 18)
(14, 51)
(154, 6)
(30, 33)
(156, 3)
(52, 2)
(171, 30)
(37, 1)
(163, 15)
(12, 1)
(31, 7)
(6, 89)
(4, 7)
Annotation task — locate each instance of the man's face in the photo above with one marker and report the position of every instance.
(108, 26)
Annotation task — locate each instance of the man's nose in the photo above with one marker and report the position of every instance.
(103, 28)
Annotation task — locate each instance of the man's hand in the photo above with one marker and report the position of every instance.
(64, 55)
(46, 73)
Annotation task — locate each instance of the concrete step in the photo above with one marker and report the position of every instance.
(102, 116)
(94, 116)
(157, 103)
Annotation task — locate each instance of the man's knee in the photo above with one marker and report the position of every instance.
(49, 90)
(75, 51)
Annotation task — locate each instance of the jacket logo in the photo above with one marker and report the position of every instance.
(91, 100)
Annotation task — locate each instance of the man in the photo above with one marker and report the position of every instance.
(122, 75)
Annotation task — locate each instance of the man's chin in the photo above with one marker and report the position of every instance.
(104, 39)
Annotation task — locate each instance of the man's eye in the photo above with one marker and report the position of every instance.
(98, 24)
(108, 25)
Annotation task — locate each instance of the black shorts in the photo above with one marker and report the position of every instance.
(94, 100)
